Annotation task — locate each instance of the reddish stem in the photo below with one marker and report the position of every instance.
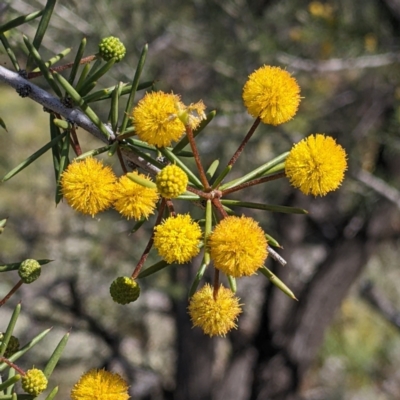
(146, 251)
(84, 60)
(216, 283)
(75, 142)
(121, 160)
(171, 207)
(244, 142)
(12, 365)
(217, 204)
(10, 293)
(253, 183)
(196, 156)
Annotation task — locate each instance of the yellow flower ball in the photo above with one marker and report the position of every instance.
(34, 382)
(238, 246)
(99, 384)
(272, 94)
(155, 119)
(133, 200)
(88, 186)
(171, 181)
(316, 165)
(177, 239)
(214, 316)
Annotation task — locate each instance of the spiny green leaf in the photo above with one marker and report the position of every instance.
(32, 158)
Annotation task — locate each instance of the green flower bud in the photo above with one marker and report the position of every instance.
(171, 181)
(34, 382)
(29, 270)
(111, 47)
(124, 290)
(12, 347)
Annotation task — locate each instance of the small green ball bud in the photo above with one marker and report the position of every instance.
(111, 47)
(34, 382)
(171, 181)
(124, 290)
(12, 347)
(29, 270)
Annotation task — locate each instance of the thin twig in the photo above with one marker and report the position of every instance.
(10, 293)
(146, 251)
(238, 152)
(339, 64)
(216, 283)
(196, 156)
(60, 68)
(380, 186)
(253, 183)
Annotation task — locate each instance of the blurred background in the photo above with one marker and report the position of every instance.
(341, 340)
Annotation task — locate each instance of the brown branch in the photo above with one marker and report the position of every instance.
(196, 156)
(10, 293)
(146, 251)
(60, 68)
(253, 183)
(238, 152)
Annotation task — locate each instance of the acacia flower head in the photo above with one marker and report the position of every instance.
(214, 316)
(34, 382)
(238, 246)
(193, 114)
(124, 290)
(88, 186)
(99, 384)
(177, 239)
(316, 165)
(171, 181)
(155, 119)
(133, 200)
(272, 94)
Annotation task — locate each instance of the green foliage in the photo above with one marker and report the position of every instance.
(356, 100)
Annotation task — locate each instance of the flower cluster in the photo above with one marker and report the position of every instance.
(99, 384)
(235, 245)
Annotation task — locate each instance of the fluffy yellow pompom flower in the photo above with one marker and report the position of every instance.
(155, 119)
(88, 186)
(214, 316)
(100, 385)
(133, 200)
(272, 94)
(238, 246)
(316, 165)
(177, 239)
(171, 181)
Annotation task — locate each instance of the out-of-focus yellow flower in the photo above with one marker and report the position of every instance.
(155, 119)
(370, 42)
(214, 316)
(88, 186)
(272, 94)
(316, 9)
(99, 384)
(316, 165)
(321, 10)
(133, 200)
(177, 239)
(238, 246)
